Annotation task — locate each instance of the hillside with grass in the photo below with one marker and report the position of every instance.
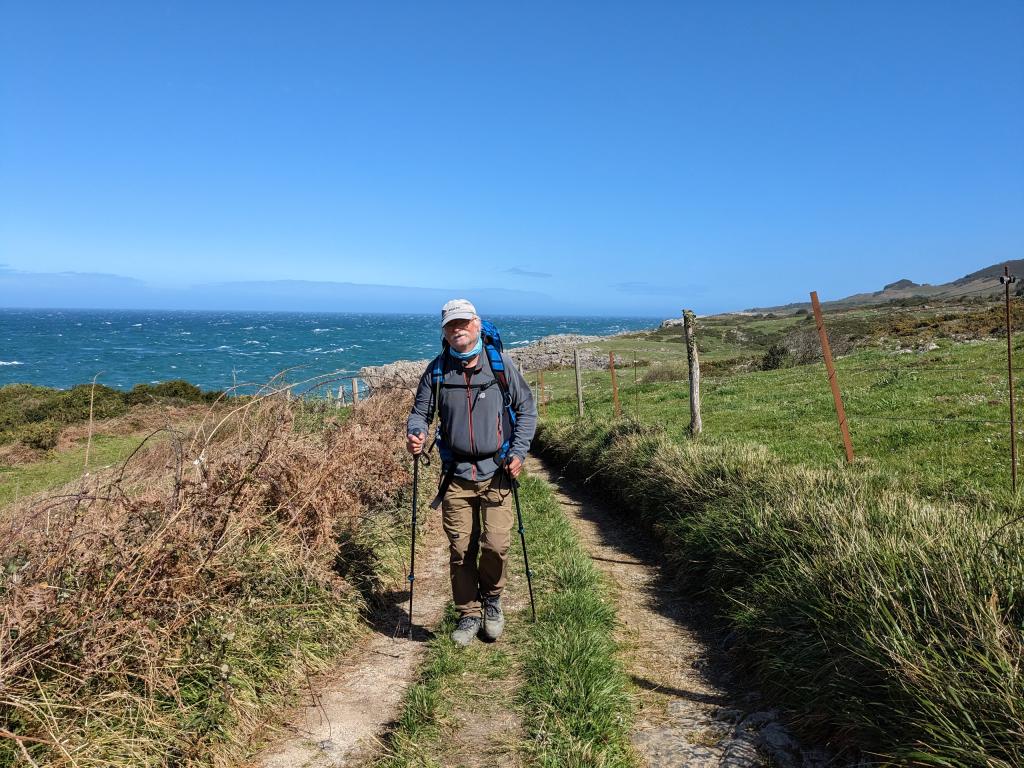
(982, 282)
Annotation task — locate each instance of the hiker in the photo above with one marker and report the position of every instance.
(482, 447)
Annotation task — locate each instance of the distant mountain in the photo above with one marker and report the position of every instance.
(984, 282)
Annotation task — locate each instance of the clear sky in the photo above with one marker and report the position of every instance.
(600, 157)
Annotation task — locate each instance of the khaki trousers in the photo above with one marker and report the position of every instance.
(477, 518)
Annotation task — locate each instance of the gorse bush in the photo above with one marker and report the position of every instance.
(777, 356)
(25, 404)
(39, 434)
(176, 389)
(881, 621)
(154, 615)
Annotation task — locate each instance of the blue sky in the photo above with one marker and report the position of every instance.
(596, 157)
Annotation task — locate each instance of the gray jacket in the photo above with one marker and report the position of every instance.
(471, 415)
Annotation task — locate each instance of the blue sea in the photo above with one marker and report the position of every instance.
(217, 350)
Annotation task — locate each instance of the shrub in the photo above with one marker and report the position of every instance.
(72, 405)
(26, 403)
(666, 372)
(176, 389)
(39, 434)
(154, 617)
(777, 356)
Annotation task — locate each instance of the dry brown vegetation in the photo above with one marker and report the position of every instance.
(154, 614)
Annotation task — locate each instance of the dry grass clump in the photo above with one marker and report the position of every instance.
(880, 620)
(153, 615)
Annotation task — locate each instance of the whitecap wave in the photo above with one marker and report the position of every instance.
(11, 362)
(321, 330)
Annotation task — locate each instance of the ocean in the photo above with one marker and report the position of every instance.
(217, 350)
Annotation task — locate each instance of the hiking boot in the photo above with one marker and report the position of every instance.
(494, 619)
(467, 629)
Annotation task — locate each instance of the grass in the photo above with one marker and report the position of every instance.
(64, 466)
(921, 418)
(575, 699)
(880, 621)
(571, 691)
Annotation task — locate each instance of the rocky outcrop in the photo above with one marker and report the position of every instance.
(403, 374)
(557, 352)
(545, 354)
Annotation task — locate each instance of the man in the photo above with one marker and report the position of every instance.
(476, 491)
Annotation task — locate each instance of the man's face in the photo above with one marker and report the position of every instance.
(462, 334)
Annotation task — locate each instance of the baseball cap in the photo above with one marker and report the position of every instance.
(457, 309)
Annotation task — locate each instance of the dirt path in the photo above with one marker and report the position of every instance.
(688, 715)
(344, 714)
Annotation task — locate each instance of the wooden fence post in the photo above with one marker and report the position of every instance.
(341, 396)
(826, 351)
(579, 383)
(543, 394)
(693, 363)
(355, 390)
(617, 409)
(636, 390)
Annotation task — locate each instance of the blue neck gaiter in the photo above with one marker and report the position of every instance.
(467, 355)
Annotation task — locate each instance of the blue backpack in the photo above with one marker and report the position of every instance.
(493, 347)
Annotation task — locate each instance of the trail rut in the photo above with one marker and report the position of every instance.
(686, 716)
(343, 714)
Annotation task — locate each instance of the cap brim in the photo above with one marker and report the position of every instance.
(458, 316)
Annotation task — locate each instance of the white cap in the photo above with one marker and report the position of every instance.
(457, 309)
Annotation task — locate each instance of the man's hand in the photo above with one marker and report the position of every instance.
(515, 466)
(414, 442)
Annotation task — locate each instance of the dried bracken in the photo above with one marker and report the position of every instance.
(151, 615)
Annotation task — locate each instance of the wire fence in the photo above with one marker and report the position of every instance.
(927, 412)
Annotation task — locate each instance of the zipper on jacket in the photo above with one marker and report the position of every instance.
(469, 408)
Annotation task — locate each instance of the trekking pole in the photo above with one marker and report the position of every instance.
(415, 504)
(522, 537)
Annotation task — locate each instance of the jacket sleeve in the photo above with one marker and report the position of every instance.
(525, 409)
(423, 405)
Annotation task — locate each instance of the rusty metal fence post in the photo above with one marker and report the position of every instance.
(833, 382)
(1006, 280)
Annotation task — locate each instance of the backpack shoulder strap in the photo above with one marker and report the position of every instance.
(437, 369)
(436, 377)
(497, 366)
